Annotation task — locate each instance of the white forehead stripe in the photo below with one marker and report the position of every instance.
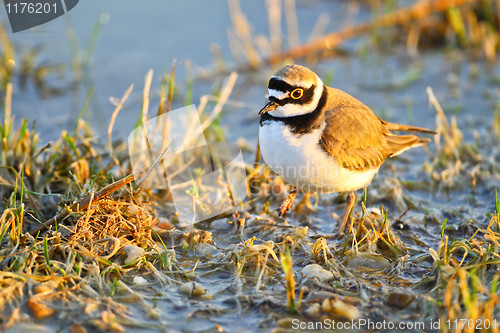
(277, 94)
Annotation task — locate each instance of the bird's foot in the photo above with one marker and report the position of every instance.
(288, 203)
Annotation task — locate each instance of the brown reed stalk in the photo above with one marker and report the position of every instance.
(400, 17)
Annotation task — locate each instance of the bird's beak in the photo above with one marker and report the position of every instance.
(270, 106)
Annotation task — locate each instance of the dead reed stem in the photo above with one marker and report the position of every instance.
(112, 123)
(400, 17)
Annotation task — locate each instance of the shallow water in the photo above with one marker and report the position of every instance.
(133, 38)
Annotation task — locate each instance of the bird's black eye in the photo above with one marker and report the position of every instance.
(297, 93)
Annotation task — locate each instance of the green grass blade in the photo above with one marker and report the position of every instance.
(83, 109)
(497, 203)
(71, 144)
(46, 251)
(287, 265)
(443, 226)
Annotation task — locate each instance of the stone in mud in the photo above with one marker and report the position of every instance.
(133, 252)
(192, 289)
(140, 281)
(340, 308)
(313, 271)
(368, 262)
(399, 299)
(40, 309)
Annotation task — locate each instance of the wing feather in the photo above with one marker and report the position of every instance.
(355, 138)
(358, 139)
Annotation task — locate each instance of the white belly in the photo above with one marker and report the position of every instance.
(301, 161)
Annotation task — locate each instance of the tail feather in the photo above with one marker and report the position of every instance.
(405, 128)
(401, 143)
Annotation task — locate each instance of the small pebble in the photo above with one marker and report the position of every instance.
(340, 308)
(164, 224)
(314, 310)
(77, 328)
(285, 322)
(192, 289)
(316, 271)
(368, 261)
(139, 280)
(133, 252)
(133, 210)
(399, 299)
(39, 309)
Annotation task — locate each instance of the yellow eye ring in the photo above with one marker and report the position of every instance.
(297, 93)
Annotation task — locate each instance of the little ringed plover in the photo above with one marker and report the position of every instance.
(322, 139)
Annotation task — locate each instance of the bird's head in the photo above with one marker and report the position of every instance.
(293, 90)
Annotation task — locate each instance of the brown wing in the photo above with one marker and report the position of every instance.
(355, 137)
(358, 139)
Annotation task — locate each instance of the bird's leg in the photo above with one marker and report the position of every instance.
(288, 202)
(350, 204)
